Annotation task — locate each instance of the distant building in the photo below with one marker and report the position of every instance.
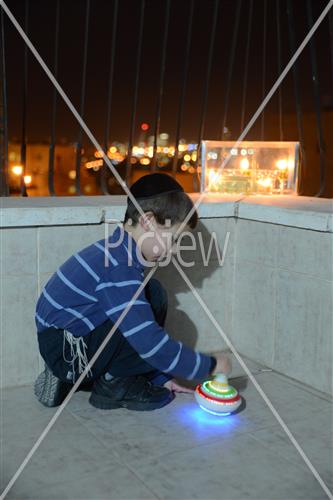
(36, 170)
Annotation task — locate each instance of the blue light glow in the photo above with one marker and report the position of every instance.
(203, 424)
(219, 414)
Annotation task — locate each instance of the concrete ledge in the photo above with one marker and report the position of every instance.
(272, 295)
(58, 211)
(296, 211)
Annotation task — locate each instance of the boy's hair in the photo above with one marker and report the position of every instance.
(173, 206)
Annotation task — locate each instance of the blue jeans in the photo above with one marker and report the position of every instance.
(117, 358)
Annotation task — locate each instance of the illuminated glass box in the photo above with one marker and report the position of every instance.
(253, 167)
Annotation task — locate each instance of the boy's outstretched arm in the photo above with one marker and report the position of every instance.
(223, 365)
(140, 328)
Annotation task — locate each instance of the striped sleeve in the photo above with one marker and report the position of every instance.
(153, 344)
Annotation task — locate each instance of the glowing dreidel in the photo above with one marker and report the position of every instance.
(217, 396)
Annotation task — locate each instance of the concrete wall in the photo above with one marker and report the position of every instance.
(272, 295)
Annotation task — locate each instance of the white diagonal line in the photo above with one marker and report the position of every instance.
(253, 380)
(75, 386)
(130, 195)
(71, 106)
(77, 115)
(262, 106)
(196, 205)
(94, 141)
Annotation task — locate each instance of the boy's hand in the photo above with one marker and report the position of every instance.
(223, 364)
(173, 386)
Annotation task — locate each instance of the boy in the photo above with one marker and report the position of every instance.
(84, 298)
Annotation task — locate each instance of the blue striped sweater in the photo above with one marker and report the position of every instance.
(96, 284)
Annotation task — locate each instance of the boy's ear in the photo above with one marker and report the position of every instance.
(147, 220)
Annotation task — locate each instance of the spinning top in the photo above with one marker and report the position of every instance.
(217, 396)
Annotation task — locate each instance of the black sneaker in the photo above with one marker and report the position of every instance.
(50, 390)
(133, 393)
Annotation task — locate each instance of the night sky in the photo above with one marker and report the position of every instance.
(41, 28)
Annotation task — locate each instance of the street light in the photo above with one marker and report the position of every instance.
(17, 169)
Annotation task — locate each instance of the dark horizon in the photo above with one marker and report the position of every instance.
(71, 36)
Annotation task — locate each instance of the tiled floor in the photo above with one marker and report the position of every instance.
(178, 452)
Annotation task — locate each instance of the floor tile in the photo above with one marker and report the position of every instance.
(177, 452)
(314, 434)
(236, 468)
(66, 453)
(100, 483)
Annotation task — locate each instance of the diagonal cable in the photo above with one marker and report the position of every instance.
(70, 105)
(253, 380)
(74, 388)
(95, 142)
(265, 101)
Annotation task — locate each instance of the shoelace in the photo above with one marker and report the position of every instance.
(78, 351)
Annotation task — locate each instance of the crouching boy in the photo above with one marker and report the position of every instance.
(83, 300)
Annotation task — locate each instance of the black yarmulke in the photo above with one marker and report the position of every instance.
(152, 185)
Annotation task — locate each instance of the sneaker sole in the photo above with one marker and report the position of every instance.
(49, 390)
(104, 403)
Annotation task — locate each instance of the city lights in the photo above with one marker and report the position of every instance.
(90, 164)
(99, 154)
(27, 179)
(17, 170)
(72, 174)
(145, 161)
(251, 168)
(143, 152)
